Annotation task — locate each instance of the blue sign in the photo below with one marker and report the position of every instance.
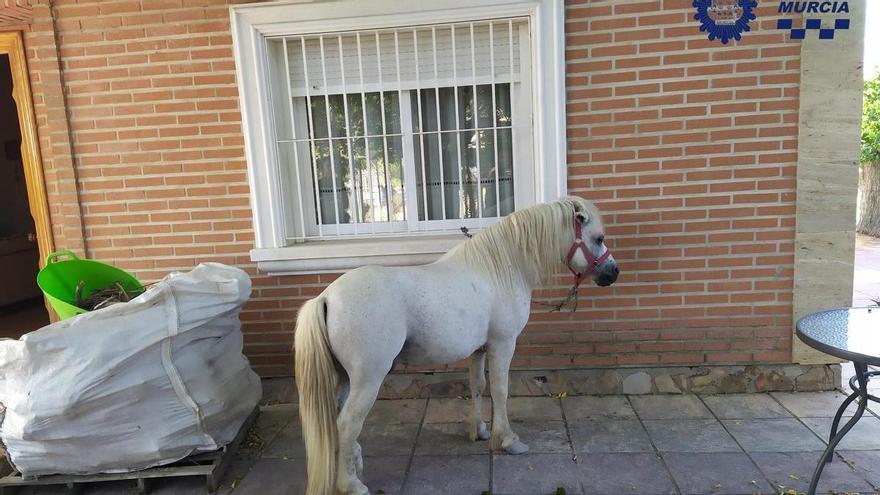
(724, 19)
(825, 33)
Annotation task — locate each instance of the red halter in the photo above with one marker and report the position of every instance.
(592, 262)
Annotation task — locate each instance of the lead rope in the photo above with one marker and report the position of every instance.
(572, 292)
(571, 297)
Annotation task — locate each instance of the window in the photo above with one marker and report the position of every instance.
(403, 130)
(375, 138)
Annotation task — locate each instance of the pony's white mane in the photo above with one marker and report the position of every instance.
(525, 247)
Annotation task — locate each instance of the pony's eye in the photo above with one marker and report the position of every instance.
(600, 239)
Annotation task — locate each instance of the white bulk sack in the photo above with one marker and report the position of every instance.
(134, 385)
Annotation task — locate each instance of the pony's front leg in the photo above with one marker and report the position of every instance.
(477, 427)
(500, 355)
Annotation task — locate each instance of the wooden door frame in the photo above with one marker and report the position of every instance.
(11, 44)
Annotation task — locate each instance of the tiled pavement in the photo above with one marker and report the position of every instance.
(731, 444)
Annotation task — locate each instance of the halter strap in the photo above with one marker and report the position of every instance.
(592, 262)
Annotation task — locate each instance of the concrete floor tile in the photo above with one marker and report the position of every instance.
(544, 437)
(773, 435)
(385, 474)
(610, 435)
(813, 404)
(669, 407)
(388, 439)
(448, 439)
(375, 439)
(534, 409)
(690, 435)
(288, 443)
(616, 474)
(715, 473)
(181, 486)
(448, 475)
(238, 469)
(397, 411)
(534, 474)
(454, 410)
(794, 470)
(865, 435)
(745, 406)
(866, 463)
(106, 488)
(269, 423)
(60, 490)
(597, 407)
(274, 477)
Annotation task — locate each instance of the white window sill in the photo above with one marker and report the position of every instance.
(329, 256)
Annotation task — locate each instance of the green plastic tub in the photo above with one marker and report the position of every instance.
(64, 271)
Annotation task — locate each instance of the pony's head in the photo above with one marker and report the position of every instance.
(587, 255)
(528, 245)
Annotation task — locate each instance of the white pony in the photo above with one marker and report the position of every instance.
(474, 301)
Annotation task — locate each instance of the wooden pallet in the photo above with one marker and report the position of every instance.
(211, 465)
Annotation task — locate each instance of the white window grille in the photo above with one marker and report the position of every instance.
(404, 130)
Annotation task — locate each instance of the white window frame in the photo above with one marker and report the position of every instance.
(253, 23)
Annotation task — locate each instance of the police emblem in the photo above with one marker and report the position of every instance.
(724, 19)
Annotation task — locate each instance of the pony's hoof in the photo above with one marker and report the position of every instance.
(358, 489)
(480, 433)
(516, 448)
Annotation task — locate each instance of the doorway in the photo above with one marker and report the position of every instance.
(24, 228)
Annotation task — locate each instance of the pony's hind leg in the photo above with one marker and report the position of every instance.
(341, 397)
(357, 452)
(350, 422)
(477, 427)
(503, 437)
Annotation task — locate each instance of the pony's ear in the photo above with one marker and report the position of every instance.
(580, 213)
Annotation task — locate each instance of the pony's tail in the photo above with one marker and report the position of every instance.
(316, 379)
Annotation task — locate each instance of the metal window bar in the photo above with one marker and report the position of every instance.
(348, 133)
(494, 117)
(461, 209)
(510, 93)
(476, 117)
(399, 134)
(367, 154)
(329, 136)
(385, 165)
(410, 189)
(311, 127)
(421, 125)
(302, 214)
(439, 124)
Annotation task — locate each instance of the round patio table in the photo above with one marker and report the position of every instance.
(852, 334)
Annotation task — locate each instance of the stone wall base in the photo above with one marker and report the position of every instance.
(660, 380)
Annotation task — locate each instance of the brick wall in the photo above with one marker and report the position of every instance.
(689, 146)
(53, 130)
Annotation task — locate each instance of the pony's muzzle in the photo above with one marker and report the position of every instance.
(607, 274)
